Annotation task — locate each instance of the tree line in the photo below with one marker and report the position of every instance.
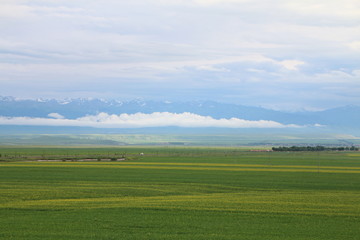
(316, 148)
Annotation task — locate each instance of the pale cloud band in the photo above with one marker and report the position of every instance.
(142, 120)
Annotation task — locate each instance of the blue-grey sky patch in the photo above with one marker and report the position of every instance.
(278, 54)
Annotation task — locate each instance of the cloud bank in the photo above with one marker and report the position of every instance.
(142, 120)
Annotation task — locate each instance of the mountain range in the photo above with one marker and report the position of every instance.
(347, 117)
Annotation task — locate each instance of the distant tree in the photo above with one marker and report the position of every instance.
(316, 148)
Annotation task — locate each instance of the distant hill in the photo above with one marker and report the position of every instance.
(347, 117)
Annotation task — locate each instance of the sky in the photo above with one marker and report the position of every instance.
(278, 54)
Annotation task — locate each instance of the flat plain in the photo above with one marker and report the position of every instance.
(178, 193)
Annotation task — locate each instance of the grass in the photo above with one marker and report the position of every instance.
(180, 193)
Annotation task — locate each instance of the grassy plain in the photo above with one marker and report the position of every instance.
(184, 138)
(179, 193)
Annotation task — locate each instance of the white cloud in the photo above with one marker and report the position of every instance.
(216, 2)
(146, 48)
(10, 10)
(140, 120)
(66, 71)
(354, 45)
(328, 8)
(56, 115)
(212, 68)
(291, 64)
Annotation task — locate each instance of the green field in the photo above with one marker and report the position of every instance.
(178, 193)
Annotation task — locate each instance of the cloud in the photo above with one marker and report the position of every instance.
(138, 69)
(291, 64)
(141, 120)
(56, 115)
(217, 2)
(354, 45)
(212, 68)
(11, 10)
(245, 52)
(326, 8)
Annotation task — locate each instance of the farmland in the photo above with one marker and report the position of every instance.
(178, 193)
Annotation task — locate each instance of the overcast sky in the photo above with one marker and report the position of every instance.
(280, 54)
